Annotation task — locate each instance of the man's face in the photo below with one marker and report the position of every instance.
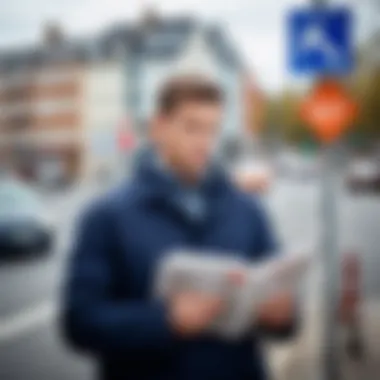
(188, 134)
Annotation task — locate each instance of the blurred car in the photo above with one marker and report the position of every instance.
(25, 226)
(363, 175)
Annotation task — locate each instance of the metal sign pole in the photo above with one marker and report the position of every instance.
(330, 257)
(315, 32)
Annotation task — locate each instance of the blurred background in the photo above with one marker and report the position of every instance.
(77, 88)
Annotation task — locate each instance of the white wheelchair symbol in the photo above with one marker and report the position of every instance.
(315, 39)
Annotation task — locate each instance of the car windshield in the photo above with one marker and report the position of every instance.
(15, 199)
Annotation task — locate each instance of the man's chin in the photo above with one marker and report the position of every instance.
(197, 171)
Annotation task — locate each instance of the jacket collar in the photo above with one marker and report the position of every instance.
(155, 183)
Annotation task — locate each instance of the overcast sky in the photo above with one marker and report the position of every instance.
(256, 26)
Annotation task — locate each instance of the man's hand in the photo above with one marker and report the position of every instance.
(191, 313)
(278, 311)
(253, 181)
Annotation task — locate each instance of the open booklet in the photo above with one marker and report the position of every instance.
(242, 285)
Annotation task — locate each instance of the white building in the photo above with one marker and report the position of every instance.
(103, 111)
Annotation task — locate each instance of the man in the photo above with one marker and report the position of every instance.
(176, 198)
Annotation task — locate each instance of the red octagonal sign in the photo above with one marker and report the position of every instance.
(328, 110)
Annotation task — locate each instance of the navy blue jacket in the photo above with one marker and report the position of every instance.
(108, 309)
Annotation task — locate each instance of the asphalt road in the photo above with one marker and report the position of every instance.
(30, 346)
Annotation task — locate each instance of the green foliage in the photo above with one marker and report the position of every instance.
(367, 89)
(283, 118)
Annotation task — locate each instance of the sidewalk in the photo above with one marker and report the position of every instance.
(300, 359)
(303, 362)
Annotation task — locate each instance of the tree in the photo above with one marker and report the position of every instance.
(283, 118)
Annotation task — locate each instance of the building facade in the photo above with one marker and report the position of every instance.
(64, 103)
(40, 120)
(60, 104)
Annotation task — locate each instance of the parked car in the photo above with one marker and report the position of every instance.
(363, 175)
(25, 226)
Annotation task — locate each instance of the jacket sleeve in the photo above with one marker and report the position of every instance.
(266, 246)
(92, 319)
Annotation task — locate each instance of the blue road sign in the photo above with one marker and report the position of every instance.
(320, 41)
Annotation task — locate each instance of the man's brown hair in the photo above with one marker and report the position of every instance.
(181, 89)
